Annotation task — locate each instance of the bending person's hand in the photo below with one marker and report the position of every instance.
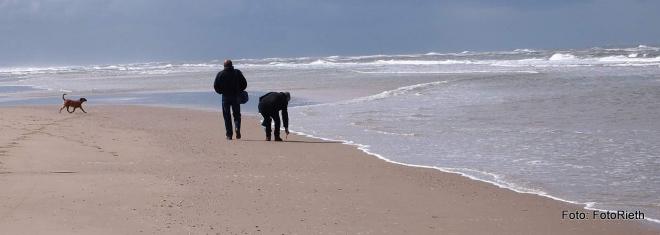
(286, 130)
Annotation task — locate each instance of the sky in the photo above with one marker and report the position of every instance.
(64, 32)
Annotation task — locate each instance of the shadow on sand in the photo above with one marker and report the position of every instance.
(300, 141)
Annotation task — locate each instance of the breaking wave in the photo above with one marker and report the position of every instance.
(431, 62)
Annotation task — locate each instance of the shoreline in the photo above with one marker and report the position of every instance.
(107, 111)
(366, 150)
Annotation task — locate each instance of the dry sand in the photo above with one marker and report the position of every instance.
(139, 170)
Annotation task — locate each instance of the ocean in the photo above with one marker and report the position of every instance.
(579, 125)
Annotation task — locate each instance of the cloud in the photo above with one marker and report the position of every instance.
(93, 31)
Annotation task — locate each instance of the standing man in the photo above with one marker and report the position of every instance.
(230, 83)
(269, 106)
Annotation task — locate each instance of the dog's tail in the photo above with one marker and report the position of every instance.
(63, 96)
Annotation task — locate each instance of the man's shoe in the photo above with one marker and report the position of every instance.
(267, 138)
(238, 134)
(228, 137)
(277, 138)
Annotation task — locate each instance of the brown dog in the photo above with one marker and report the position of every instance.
(73, 103)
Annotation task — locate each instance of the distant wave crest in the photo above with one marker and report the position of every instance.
(430, 62)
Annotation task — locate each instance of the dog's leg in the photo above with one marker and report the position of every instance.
(67, 109)
(82, 109)
(62, 108)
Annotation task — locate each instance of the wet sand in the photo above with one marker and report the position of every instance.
(141, 170)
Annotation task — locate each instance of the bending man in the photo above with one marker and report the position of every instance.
(270, 106)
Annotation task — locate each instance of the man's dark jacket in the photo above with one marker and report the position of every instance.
(229, 82)
(273, 102)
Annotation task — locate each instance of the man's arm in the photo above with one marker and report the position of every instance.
(217, 84)
(242, 83)
(285, 120)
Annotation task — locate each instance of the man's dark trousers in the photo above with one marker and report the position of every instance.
(275, 116)
(231, 104)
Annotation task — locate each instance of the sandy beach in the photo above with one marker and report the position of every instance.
(145, 170)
